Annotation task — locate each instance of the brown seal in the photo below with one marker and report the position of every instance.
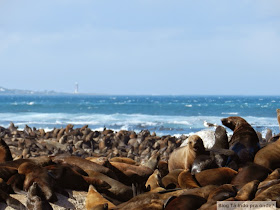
(98, 160)
(244, 141)
(5, 187)
(151, 200)
(274, 175)
(131, 173)
(154, 181)
(170, 181)
(270, 180)
(249, 173)
(66, 177)
(10, 201)
(221, 138)
(186, 180)
(95, 199)
(269, 156)
(265, 185)
(5, 153)
(83, 164)
(152, 161)
(220, 150)
(35, 200)
(6, 172)
(147, 200)
(163, 167)
(117, 190)
(36, 173)
(42, 161)
(183, 157)
(248, 191)
(271, 194)
(221, 193)
(215, 176)
(16, 182)
(123, 160)
(185, 202)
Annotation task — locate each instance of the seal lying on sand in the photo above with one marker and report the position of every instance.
(36, 173)
(95, 199)
(185, 202)
(34, 200)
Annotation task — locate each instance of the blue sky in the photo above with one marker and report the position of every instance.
(141, 46)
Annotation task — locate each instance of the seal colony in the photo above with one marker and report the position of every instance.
(128, 170)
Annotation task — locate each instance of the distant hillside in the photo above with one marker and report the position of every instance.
(5, 91)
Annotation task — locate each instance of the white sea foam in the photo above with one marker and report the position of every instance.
(31, 103)
(188, 105)
(184, 122)
(264, 106)
(230, 113)
(158, 123)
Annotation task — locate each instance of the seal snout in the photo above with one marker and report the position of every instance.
(224, 121)
(229, 122)
(198, 145)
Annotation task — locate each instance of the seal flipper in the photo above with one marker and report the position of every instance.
(168, 200)
(16, 182)
(5, 153)
(36, 198)
(12, 202)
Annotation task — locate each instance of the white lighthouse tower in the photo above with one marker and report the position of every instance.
(76, 91)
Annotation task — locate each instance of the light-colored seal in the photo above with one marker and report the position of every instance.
(248, 191)
(183, 157)
(207, 136)
(95, 199)
(123, 160)
(154, 181)
(271, 194)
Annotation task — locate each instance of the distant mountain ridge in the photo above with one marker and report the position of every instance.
(6, 91)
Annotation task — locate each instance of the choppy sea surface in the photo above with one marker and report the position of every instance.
(166, 115)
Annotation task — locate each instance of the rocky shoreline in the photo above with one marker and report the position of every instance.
(125, 169)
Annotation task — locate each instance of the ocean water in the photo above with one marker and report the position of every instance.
(165, 115)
